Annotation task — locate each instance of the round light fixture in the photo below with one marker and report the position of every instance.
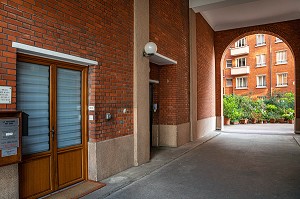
(150, 48)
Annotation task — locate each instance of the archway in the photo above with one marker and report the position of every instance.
(287, 31)
(258, 84)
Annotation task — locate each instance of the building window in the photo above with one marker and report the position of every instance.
(228, 63)
(260, 40)
(277, 40)
(281, 57)
(260, 60)
(261, 81)
(241, 82)
(281, 79)
(241, 43)
(240, 62)
(228, 82)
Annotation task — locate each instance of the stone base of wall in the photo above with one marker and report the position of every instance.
(205, 126)
(9, 181)
(219, 123)
(297, 125)
(170, 135)
(110, 157)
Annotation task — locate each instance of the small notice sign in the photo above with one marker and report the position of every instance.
(9, 152)
(5, 95)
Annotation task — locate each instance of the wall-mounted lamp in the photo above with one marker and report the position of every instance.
(150, 49)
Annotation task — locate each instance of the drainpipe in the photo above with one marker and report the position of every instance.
(270, 53)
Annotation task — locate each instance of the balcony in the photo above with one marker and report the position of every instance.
(239, 51)
(240, 70)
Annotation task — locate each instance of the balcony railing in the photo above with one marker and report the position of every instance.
(240, 70)
(239, 51)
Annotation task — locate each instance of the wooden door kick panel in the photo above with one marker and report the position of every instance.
(70, 169)
(36, 179)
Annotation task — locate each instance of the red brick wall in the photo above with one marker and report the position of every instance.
(205, 69)
(97, 30)
(288, 31)
(169, 29)
(269, 50)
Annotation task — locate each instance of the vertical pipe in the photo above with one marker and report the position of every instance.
(270, 62)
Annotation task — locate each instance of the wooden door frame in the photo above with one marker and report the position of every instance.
(53, 65)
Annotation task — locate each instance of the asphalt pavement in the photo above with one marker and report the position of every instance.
(243, 161)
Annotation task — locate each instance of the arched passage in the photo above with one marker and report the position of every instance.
(287, 31)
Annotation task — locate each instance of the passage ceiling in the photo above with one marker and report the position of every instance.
(229, 14)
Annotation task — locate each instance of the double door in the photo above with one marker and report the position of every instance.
(52, 96)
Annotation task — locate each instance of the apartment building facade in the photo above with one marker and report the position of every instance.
(258, 65)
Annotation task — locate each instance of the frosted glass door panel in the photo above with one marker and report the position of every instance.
(33, 99)
(68, 107)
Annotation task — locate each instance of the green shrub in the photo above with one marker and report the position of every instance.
(289, 114)
(243, 107)
(230, 107)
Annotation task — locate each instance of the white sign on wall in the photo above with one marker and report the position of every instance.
(5, 95)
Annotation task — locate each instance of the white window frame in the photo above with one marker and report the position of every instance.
(41, 52)
(258, 81)
(260, 40)
(231, 82)
(281, 59)
(241, 43)
(237, 62)
(282, 79)
(227, 64)
(259, 58)
(278, 40)
(237, 79)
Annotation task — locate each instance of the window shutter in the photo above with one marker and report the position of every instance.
(33, 99)
(68, 107)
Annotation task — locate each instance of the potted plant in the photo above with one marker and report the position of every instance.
(256, 117)
(246, 107)
(273, 117)
(227, 107)
(289, 115)
(230, 109)
(235, 116)
(265, 116)
(244, 121)
(226, 120)
(281, 120)
(272, 112)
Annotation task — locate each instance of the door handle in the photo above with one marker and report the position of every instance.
(52, 132)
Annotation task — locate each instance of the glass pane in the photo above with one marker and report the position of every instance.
(33, 99)
(68, 107)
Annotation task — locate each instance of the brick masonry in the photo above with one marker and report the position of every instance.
(96, 30)
(205, 69)
(288, 31)
(170, 31)
(269, 49)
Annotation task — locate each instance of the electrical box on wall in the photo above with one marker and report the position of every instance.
(10, 137)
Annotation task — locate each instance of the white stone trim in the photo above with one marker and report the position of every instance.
(40, 52)
(159, 59)
(153, 81)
